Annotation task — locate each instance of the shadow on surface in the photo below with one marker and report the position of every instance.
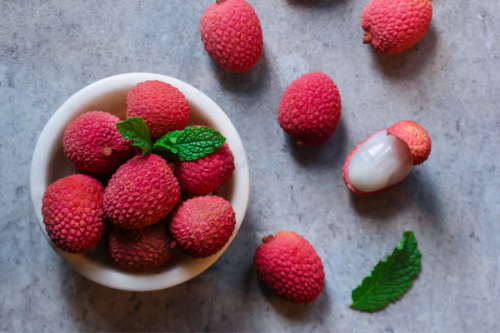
(317, 3)
(247, 82)
(330, 154)
(410, 62)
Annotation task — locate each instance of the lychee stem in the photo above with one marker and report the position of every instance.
(107, 151)
(171, 166)
(300, 143)
(217, 192)
(368, 38)
(219, 1)
(267, 239)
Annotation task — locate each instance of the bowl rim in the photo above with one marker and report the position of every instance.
(47, 147)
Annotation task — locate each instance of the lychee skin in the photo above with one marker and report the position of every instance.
(207, 173)
(290, 267)
(232, 35)
(310, 109)
(392, 26)
(72, 212)
(415, 136)
(142, 192)
(94, 145)
(163, 107)
(140, 250)
(202, 226)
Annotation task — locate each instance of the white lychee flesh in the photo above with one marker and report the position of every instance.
(383, 160)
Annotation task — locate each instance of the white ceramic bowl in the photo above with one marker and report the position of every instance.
(50, 164)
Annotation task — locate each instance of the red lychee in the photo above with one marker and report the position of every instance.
(310, 109)
(231, 33)
(139, 250)
(163, 107)
(207, 173)
(72, 212)
(94, 145)
(290, 267)
(142, 192)
(392, 26)
(202, 226)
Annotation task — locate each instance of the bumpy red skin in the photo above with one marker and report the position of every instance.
(140, 250)
(207, 173)
(392, 26)
(72, 212)
(163, 107)
(94, 145)
(142, 192)
(232, 35)
(290, 267)
(416, 137)
(310, 109)
(202, 226)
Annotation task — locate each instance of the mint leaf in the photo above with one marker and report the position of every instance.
(191, 143)
(136, 130)
(390, 278)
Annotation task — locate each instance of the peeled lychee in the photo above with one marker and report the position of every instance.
(310, 109)
(392, 26)
(290, 267)
(207, 173)
(386, 157)
(142, 192)
(94, 145)
(72, 212)
(139, 250)
(231, 33)
(163, 107)
(202, 226)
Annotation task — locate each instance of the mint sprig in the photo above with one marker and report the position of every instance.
(136, 130)
(390, 278)
(191, 143)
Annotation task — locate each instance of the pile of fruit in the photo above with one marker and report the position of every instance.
(148, 206)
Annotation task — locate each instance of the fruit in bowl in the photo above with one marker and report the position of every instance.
(50, 164)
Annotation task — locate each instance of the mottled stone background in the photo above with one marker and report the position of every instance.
(448, 82)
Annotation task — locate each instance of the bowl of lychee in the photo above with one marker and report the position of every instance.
(139, 182)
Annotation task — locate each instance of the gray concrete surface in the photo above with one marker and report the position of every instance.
(448, 82)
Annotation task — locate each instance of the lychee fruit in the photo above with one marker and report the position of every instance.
(142, 192)
(207, 173)
(203, 225)
(290, 267)
(310, 109)
(139, 250)
(163, 107)
(232, 35)
(386, 157)
(392, 26)
(72, 212)
(94, 145)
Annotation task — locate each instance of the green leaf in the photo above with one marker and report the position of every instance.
(390, 278)
(136, 130)
(191, 143)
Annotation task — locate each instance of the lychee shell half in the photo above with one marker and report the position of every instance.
(392, 26)
(142, 192)
(163, 107)
(232, 35)
(416, 137)
(207, 173)
(310, 109)
(203, 225)
(290, 267)
(72, 212)
(94, 145)
(140, 250)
